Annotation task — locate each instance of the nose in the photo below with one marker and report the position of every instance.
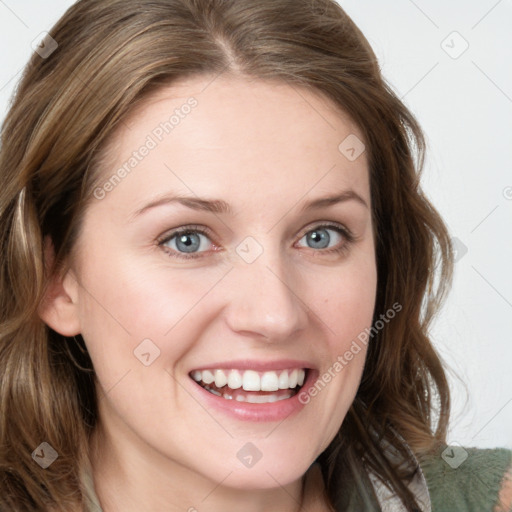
(265, 300)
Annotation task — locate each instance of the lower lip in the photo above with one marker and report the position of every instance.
(272, 411)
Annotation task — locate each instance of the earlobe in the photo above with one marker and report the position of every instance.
(59, 307)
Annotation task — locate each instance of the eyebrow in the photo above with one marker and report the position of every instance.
(194, 203)
(219, 206)
(323, 202)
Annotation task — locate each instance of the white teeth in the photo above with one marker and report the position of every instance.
(251, 381)
(255, 399)
(220, 378)
(234, 379)
(207, 377)
(283, 380)
(293, 379)
(269, 381)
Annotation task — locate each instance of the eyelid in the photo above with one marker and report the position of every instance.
(327, 224)
(171, 233)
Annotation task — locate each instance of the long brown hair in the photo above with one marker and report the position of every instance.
(111, 55)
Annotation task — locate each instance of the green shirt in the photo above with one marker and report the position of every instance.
(466, 479)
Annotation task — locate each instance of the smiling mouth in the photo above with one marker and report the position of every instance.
(251, 386)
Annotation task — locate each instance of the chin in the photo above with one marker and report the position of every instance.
(270, 471)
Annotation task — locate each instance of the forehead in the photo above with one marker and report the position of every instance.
(231, 136)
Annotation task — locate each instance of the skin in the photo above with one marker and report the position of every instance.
(266, 149)
(505, 496)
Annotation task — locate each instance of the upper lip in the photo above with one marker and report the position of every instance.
(259, 366)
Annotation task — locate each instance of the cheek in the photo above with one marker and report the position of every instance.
(124, 306)
(348, 319)
(347, 311)
(345, 302)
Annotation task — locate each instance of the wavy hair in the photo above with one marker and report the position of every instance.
(111, 55)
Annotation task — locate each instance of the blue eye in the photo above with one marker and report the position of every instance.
(186, 243)
(321, 236)
(318, 238)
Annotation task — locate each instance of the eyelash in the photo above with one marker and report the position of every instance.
(193, 229)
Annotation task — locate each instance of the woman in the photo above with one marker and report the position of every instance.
(219, 272)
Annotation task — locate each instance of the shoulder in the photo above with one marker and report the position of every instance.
(469, 479)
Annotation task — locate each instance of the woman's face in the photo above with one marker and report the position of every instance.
(212, 251)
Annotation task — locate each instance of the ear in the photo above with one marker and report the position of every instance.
(59, 307)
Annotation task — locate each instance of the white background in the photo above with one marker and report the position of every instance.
(464, 104)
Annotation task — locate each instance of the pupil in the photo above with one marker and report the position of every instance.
(189, 241)
(320, 238)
